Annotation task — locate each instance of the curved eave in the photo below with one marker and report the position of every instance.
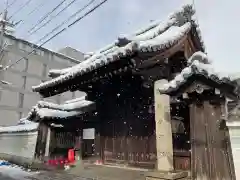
(224, 84)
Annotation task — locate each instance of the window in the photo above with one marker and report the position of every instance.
(21, 99)
(24, 82)
(26, 65)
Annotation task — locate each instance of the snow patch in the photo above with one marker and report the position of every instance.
(6, 82)
(166, 39)
(14, 171)
(201, 57)
(75, 100)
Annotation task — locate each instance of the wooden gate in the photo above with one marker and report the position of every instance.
(211, 157)
(133, 151)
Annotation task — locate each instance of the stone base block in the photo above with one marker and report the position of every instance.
(160, 175)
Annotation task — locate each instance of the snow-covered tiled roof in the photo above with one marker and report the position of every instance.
(29, 127)
(53, 113)
(50, 110)
(158, 36)
(196, 67)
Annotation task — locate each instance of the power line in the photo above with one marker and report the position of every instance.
(46, 15)
(68, 5)
(21, 22)
(67, 20)
(56, 34)
(20, 9)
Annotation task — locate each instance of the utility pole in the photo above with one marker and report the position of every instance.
(3, 21)
(4, 24)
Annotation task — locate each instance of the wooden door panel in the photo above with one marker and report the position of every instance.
(139, 152)
(199, 156)
(210, 156)
(217, 143)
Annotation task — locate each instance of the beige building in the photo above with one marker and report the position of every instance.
(16, 96)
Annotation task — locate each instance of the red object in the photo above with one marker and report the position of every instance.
(98, 162)
(71, 155)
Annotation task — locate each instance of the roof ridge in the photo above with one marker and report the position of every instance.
(180, 17)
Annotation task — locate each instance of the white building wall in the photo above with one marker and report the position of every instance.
(19, 144)
(17, 98)
(234, 130)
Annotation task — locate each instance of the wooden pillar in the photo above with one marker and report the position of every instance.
(52, 143)
(99, 142)
(78, 145)
(41, 141)
(48, 140)
(163, 129)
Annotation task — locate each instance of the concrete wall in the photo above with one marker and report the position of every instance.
(18, 144)
(68, 51)
(17, 98)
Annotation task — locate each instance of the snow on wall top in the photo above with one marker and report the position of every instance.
(46, 109)
(156, 37)
(19, 128)
(197, 66)
(70, 106)
(233, 111)
(52, 113)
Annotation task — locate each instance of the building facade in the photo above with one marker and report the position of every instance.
(16, 96)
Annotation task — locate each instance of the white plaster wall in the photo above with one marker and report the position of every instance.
(235, 144)
(19, 144)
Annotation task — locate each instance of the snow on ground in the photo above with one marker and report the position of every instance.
(14, 171)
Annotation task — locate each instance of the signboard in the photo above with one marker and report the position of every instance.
(89, 133)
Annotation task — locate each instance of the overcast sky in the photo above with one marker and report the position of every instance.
(218, 22)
